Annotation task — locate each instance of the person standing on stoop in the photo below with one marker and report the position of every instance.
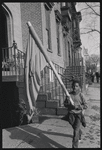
(76, 112)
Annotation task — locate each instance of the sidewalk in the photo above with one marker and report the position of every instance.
(51, 131)
(93, 91)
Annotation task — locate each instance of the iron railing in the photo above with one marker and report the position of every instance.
(13, 64)
(12, 61)
(51, 85)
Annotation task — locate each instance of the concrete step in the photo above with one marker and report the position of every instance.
(52, 104)
(42, 97)
(47, 103)
(44, 103)
(62, 111)
(53, 111)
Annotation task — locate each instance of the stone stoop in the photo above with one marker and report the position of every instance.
(48, 106)
(62, 111)
(44, 102)
(53, 111)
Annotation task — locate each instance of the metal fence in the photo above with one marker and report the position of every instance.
(13, 64)
(12, 61)
(50, 84)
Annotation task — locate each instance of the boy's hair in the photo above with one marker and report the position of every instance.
(76, 81)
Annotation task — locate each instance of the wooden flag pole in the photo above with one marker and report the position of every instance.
(38, 41)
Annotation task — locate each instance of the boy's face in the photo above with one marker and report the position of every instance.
(76, 87)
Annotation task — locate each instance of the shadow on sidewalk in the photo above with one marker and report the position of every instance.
(42, 118)
(36, 137)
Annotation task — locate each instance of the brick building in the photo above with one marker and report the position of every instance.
(57, 26)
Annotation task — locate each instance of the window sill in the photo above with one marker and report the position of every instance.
(59, 55)
(49, 50)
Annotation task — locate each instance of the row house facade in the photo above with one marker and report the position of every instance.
(58, 27)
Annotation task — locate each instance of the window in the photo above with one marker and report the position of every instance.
(74, 24)
(51, 75)
(64, 4)
(6, 31)
(58, 37)
(48, 29)
(69, 52)
(58, 20)
(47, 39)
(72, 54)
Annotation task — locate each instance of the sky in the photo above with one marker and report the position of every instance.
(90, 42)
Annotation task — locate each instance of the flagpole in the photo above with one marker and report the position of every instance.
(41, 48)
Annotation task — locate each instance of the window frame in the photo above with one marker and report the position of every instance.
(69, 55)
(58, 38)
(48, 30)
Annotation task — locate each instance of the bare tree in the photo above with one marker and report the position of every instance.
(90, 16)
(90, 25)
(95, 59)
(92, 61)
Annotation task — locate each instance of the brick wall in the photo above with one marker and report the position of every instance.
(78, 72)
(53, 56)
(30, 12)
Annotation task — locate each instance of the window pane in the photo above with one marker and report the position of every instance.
(74, 24)
(48, 36)
(63, 4)
(69, 52)
(47, 19)
(51, 75)
(58, 38)
(48, 39)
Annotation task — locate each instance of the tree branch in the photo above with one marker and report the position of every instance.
(88, 7)
(84, 9)
(92, 9)
(92, 30)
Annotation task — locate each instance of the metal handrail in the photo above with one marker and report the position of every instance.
(49, 84)
(11, 65)
(12, 61)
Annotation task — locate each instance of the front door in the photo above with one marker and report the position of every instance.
(4, 37)
(10, 101)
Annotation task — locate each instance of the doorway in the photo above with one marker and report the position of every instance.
(10, 99)
(4, 42)
(4, 37)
